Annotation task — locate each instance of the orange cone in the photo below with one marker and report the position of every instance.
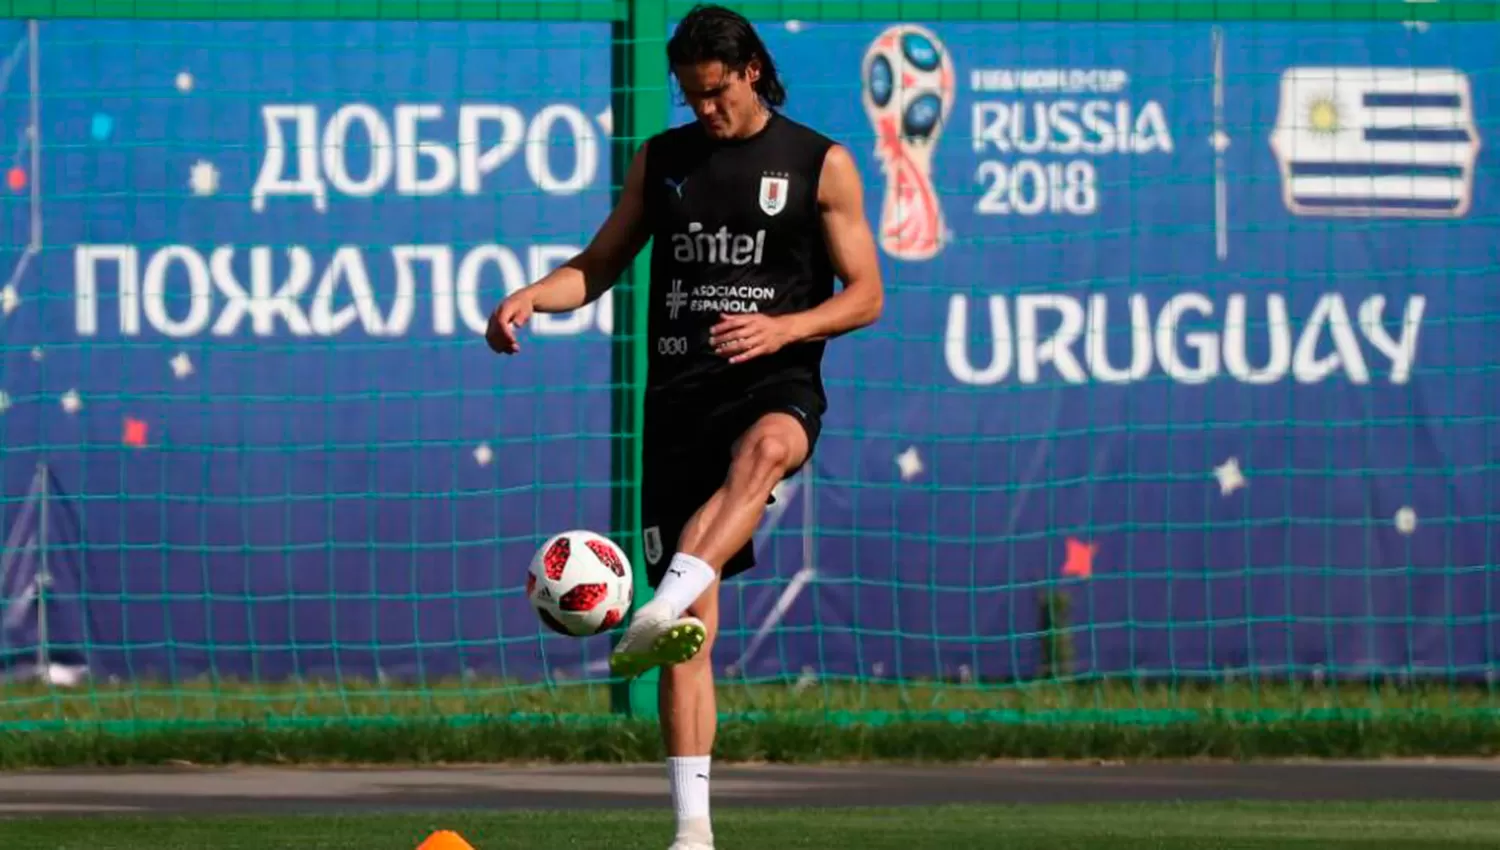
(445, 840)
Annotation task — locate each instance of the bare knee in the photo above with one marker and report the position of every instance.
(772, 453)
(765, 458)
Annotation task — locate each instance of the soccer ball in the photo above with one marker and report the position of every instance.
(580, 583)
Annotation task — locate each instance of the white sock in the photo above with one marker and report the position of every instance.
(689, 777)
(685, 580)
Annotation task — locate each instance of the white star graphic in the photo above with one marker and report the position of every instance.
(4, 401)
(204, 178)
(1406, 520)
(71, 402)
(606, 120)
(1230, 477)
(182, 365)
(910, 463)
(483, 454)
(9, 299)
(184, 82)
(36, 353)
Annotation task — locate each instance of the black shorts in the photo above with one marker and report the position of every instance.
(688, 445)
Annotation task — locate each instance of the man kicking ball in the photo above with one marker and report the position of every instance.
(753, 216)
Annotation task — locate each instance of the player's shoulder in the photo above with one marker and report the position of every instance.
(665, 150)
(805, 134)
(675, 138)
(815, 150)
(806, 138)
(823, 154)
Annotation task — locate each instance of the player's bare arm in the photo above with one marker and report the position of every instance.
(586, 276)
(851, 246)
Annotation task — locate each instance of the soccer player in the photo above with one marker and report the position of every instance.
(753, 216)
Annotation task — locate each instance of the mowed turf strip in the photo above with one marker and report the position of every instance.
(1184, 826)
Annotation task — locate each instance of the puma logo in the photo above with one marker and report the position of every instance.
(676, 185)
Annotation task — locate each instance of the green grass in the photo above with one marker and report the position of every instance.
(1241, 826)
(143, 704)
(465, 722)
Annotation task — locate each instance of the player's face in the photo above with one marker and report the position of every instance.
(724, 101)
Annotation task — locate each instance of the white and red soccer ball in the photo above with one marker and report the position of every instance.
(580, 583)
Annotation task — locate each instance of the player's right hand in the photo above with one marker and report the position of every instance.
(507, 319)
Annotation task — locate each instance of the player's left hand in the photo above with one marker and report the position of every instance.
(744, 336)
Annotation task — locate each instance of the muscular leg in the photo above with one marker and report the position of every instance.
(722, 526)
(689, 715)
(727, 521)
(774, 445)
(689, 718)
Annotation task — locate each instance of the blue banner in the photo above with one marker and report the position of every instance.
(1192, 323)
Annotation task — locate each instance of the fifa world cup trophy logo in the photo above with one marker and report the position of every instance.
(908, 92)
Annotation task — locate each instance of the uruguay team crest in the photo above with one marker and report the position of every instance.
(772, 194)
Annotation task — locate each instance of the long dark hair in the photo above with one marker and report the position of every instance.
(716, 34)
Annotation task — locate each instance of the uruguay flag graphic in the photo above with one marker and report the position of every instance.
(1376, 142)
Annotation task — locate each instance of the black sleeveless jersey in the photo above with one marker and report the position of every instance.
(736, 229)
